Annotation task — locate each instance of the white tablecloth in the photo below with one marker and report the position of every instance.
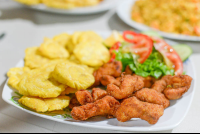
(15, 21)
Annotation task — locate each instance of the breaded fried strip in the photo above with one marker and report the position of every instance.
(107, 79)
(74, 103)
(148, 81)
(104, 107)
(113, 69)
(129, 84)
(152, 96)
(128, 70)
(175, 93)
(84, 97)
(133, 108)
(178, 86)
(98, 93)
(161, 84)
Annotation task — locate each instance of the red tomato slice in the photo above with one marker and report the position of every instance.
(167, 51)
(142, 44)
(115, 47)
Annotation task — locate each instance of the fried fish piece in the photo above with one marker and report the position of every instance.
(98, 93)
(45, 105)
(74, 102)
(148, 81)
(106, 106)
(73, 75)
(15, 75)
(92, 53)
(133, 108)
(113, 69)
(84, 97)
(128, 85)
(128, 70)
(107, 79)
(161, 84)
(152, 96)
(33, 58)
(178, 85)
(52, 50)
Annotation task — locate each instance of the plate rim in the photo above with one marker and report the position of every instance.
(142, 27)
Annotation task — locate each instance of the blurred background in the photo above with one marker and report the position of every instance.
(30, 17)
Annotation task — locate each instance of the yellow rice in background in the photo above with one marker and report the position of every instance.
(173, 16)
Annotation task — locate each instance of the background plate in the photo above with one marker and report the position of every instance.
(124, 12)
(103, 6)
(172, 117)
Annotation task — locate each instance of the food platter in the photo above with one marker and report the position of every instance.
(103, 6)
(172, 117)
(124, 11)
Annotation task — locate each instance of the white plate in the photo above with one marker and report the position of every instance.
(103, 6)
(124, 12)
(172, 117)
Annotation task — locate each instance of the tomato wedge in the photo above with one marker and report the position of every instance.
(168, 52)
(142, 44)
(115, 47)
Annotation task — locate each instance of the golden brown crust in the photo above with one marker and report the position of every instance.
(133, 108)
(128, 85)
(98, 93)
(74, 103)
(178, 85)
(128, 70)
(107, 79)
(104, 107)
(161, 84)
(152, 96)
(113, 69)
(84, 97)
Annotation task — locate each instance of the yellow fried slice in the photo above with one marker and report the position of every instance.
(73, 58)
(57, 103)
(29, 2)
(37, 83)
(88, 69)
(73, 41)
(69, 90)
(73, 75)
(33, 58)
(62, 39)
(45, 105)
(90, 36)
(113, 38)
(52, 50)
(76, 36)
(15, 75)
(92, 54)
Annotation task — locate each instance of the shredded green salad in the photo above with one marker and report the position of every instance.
(154, 66)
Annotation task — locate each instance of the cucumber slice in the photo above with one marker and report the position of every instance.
(184, 51)
(151, 34)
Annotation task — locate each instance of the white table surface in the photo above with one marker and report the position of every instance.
(14, 19)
